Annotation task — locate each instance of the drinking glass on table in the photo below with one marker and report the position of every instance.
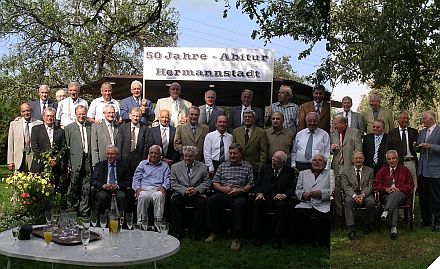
(86, 223)
(157, 222)
(163, 228)
(129, 220)
(94, 218)
(15, 231)
(55, 221)
(121, 218)
(114, 234)
(103, 221)
(48, 215)
(47, 234)
(136, 237)
(85, 238)
(144, 222)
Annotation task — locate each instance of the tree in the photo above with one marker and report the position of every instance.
(283, 69)
(59, 41)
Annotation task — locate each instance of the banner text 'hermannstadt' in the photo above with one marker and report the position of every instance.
(211, 64)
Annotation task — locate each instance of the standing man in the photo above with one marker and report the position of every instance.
(355, 120)
(232, 182)
(103, 134)
(190, 181)
(209, 112)
(177, 106)
(39, 105)
(343, 141)
(317, 105)
(279, 138)
(374, 145)
(66, 108)
(216, 146)
(236, 118)
(163, 135)
(308, 142)
(357, 183)
(80, 161)
(151, 180)
(428, 143)
(288, 109)
(111, 176)
(377, 112)
(20, 153)
(135, 100)
(402, 139)
(133, 140)
(191, 134)
(254, 141)
(96, 111)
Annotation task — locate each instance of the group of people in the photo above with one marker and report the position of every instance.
(203, 158)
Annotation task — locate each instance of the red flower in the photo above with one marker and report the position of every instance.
(26, 203)
(24, 195)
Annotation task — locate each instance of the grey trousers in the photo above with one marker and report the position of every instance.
(350, 205)
(392, 202)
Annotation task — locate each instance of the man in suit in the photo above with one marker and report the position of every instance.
(402, 139)
(48, 137)
(254, 141)
(355, 120)
(191, 134)
(343, 141)
(80, 161)
(103, 134)
(317, 105)
(111, 176)
(135, 100)
(190, 181)
(394, 183)
(357, 183)
(236, 118)
(428, 170)
(177, 106)
(209, 112)
(274, 186)
(151, 180)
(163, 135)
(96, 111)
(66, 108)
(20, 153)
(373, 146)
(313, 192)
(377, 112)
(133, 140)
(39, 105)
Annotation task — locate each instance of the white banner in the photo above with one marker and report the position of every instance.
(208, 64)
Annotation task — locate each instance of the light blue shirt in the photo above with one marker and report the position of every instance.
(148, 175)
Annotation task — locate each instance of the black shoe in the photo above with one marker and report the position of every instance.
(276, 244)
(367, 229)
(257, 243)
(195, 237)
(352, 235)
(425, 224)
(393, 236)
(436, 228)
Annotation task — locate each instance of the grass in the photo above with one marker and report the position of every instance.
(194, 255)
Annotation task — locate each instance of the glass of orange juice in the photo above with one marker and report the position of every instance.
(47, 234)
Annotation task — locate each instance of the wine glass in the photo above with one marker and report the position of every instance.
(144, 222)
(129, 220)
(48, 215)
(47, 234)
(15, 231)
(157, 222)
(136, 237)
(103, 221)
(94, 218)
(164, 228)
(121, 218)
(86, 223)
(55, 221)
(114, 235)
(85, 238)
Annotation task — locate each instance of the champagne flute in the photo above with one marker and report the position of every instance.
(48, 215)
(15, 231)
(164, 228)
(136, 237)
(94, 218)
(144, 222)
(121, 218)
(47, 234)
(85, 238)
(129, 220)
(157, 222)
(86, 223)
(103, 221)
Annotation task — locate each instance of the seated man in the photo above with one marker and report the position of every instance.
(150, 182)
(190, 181)
(394, 183)
(275, 183)
(232, 181)
(357, 183)
(109, 177)
(313, 192)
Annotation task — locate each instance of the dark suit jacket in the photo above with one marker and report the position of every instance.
(216, 111)
(286, 183)
(368, 150)
(100, 173)
(171, 153)
(129, 102)
(123, 143)
(234, 120)
(40, 143)
(74, 142)
(255, 151)
(394, 141)
(324, 117)
(36, 108)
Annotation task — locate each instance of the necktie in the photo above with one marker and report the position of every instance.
(392, 177)
(275, 174)
(222, 150)
(50, 134)
(404, 143)
(346, 115)
(375, 113)
(428, 133)
(246, 136)
(110, 131)
(112, 176)
(376, 149)
(358, 177)
(208, 114)
(133, 139)
(244, 109)
(340, 154)
(193, 128)
(188, 169)
(27, 137)
(44, 107)
(164, 141)
(318, 109)
(309, 146)
(83, 139)
(174, 113)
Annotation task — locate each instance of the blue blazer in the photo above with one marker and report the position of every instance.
(36, 108)
(129, 102)
(429, 160)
